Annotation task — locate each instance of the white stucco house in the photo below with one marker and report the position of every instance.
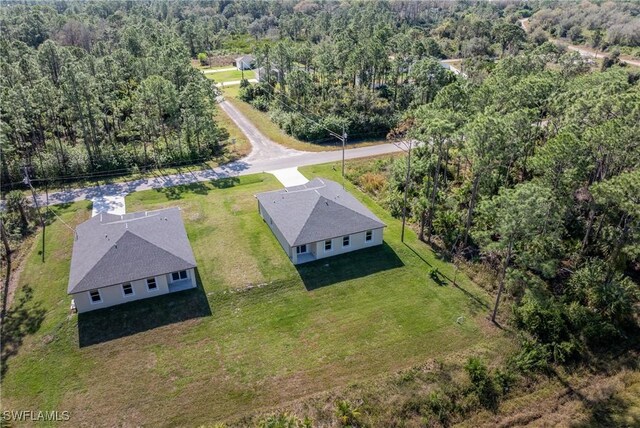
(319, 219)
(245, 62)
(122, 258)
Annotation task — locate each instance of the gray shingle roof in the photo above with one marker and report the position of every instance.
(318, 210)
(112, 249)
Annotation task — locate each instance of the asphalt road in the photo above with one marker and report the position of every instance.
(266, 155)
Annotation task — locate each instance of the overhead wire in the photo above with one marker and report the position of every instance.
(335, 134)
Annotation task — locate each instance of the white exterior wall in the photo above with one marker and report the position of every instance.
(191, 276)
(291, 252)
(244, 64)
(357, 242)
(113, 294)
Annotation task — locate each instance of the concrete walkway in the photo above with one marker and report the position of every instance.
(219, 70)
(233, 83)
(266, 155)
(289, 177)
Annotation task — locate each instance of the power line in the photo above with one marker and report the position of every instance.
(342, 138)
(62, 221)
(26, 170)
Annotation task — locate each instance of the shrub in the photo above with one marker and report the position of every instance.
(261, 103)
(440, 406)
(482, 383)
(533, 357)
(372, 182)
(348, 415)
(284, 420)
(246, 93)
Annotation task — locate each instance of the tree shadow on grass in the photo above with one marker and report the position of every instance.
(135, 317)
(475, 303)
(175, 192)
(607, 407)
(344, 267)
(23, 318)
(417, 254)
(225, 183)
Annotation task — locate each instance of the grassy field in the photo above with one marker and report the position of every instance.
(264, 124)
(197, 65)
(257, 333)
(230, 76)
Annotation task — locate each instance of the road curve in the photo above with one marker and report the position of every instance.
(266, 155)
(587, 53)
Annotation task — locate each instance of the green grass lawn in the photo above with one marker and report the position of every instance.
(217, 67)
(252, 336)
(230, 76)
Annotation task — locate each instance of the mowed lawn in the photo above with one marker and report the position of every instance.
(258, 332)
(230, 76)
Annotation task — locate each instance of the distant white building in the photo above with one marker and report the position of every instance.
(122, 258)
(245, 62)
(319, 219)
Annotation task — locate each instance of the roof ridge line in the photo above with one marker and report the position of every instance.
(116, 245)
(341, 205)
(309, 217)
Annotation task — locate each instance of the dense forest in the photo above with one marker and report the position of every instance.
(359, 66)
(527, 165)
(534, 172)
(95, 87)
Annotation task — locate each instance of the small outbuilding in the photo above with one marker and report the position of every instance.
(319, 219)
(245, 62)
(122, 258)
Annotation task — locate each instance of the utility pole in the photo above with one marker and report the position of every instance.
(27, 180)
(406, 186)
(344, 142)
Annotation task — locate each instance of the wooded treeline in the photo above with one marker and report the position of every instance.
(534, 171)
(96, 87)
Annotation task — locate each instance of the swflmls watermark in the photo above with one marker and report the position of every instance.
(35, 416)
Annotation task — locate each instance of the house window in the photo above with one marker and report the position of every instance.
(301, 249)
(127, 289)
(346, 240)
(327, 245)
(176, 276)
(151, 284)
(95, 296)
(368, 236)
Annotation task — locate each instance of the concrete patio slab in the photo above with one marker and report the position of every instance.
(108, 204)
(289, 177)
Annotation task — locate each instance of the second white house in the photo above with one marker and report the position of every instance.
(319, 219)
